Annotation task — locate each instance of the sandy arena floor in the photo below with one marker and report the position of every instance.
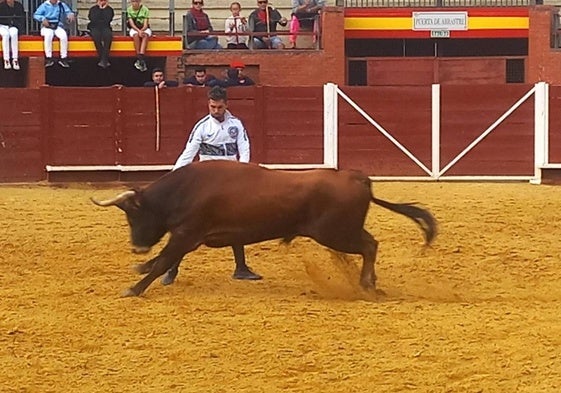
(478, 312)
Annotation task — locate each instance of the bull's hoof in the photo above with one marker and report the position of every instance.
(168, 278)
(246, 275)
(129, 292)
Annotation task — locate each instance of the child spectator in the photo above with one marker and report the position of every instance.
(199, 22)
(52, 14)
(12, 19)
(264, 20)
(199, 78)
(304, 14)
(100, 16)
(138, 19)
(159, 80)
(236, 25)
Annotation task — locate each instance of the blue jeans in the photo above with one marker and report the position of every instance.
(205, 43)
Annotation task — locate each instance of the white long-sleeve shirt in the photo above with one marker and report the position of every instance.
(234, 25)
(215, 140)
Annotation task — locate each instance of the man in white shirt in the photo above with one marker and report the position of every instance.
(217, 136)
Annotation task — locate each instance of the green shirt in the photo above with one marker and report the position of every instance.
(138, 16)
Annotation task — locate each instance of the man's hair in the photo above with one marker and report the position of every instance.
(200, 69)
(157, 69)
(217, 93)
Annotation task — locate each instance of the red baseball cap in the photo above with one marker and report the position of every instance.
(237, 64)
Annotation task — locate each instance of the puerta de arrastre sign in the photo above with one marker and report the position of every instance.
(440, 20)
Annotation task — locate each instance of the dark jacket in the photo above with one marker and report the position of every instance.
(100, 18)
(168, 84)
(256, 24)
(13, 16)
(193, 81)
(232, 80)
(192, 27)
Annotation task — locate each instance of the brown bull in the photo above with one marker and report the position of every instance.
(224, 203)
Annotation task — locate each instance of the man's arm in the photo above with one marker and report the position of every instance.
(191, 149)
(243, 145)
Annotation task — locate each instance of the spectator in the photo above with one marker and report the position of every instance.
(235, 26)
(264, 20)
(199, 78)
(217, 136)
(53, 14)
(243, 80)
(159, 80)
(199, 22)
(304, 14)
(233, 78)
(138, 19)
(12, 19)
(100, 16)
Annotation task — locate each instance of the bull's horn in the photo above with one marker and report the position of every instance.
(118, 199)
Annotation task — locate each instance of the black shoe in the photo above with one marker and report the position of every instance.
(63, 63)
(49, 62)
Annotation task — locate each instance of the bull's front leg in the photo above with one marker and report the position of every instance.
(168, 258)
(143, 268)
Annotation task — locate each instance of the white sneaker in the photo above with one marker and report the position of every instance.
(15, 64)
(7, 65)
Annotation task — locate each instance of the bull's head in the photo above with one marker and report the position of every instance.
(146, 225)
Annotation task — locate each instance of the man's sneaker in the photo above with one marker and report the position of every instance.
(7, 65)
(63, 63)
(138, 65)
(143, 66)
(49, 62)
(15, 64)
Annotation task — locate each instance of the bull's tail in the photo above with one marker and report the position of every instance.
(422, 217)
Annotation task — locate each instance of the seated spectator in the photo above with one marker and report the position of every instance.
(199, 22)
(264, 20)
(243, 80)
(12, 20)
(233, 78)
(199, 78)
(52, 14)
(100, 16)
(138, 19)
(235, 26)
(304, 14)
(159, 80)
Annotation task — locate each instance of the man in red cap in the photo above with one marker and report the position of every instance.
(242, 79)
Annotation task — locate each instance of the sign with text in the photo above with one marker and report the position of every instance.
(440, 34)
(439, 21)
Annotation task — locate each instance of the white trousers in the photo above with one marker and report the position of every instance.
(48, 34)
(9, 40)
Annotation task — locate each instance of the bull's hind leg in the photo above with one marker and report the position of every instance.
(369, 250)
(354, 242)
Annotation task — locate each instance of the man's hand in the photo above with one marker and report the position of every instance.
(71, 17)
(45, 22)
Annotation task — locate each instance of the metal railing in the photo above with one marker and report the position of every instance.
(434, 3)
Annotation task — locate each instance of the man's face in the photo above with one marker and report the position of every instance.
(217, 109)
(200, 76)
(262, 4)
(158, 76)
(135, 4)
(198, 4)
